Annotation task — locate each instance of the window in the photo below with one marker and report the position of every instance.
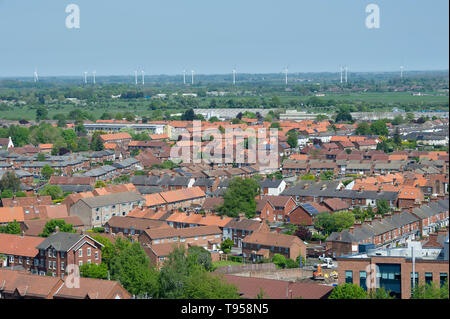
(196, 238)
(89, 261)
(28, 260)
(428, 278)
(362, 279)
(54, 265)
(20, 259)
(49, 252)
(80, 263)
(54, 252)
(443, 278)
(96, 254)
(80, 252)
(89, 251)
(62, 254)
(348, 277)
(11, 259)
(62, 265)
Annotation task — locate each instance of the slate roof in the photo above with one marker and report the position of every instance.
(61, 241)
(112, 199)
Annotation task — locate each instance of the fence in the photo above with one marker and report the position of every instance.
(247, 268)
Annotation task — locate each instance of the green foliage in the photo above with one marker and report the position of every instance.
(348, 291)
(167, 164)
(10, 181)
(7, 193)
(226, 245)
(292, 139)
(181, 277)
(308, 177)
(40, 157)
(343, 115)
(199, 255)
(94, 271)
(240, 198)
(51, 225)
(430, 291)
(100, 184)
(379, 293)
(363, 129)
(96, 142)
(336, 222)
(279, 260)
(383, 206)
(189, 115)
(11, 228)
(20, 194)
(52, 190)
(47, 171)
(132, 269)
(327, 176)
(379, 128)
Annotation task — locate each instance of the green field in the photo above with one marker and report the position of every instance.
(222, 263)
(140, 107)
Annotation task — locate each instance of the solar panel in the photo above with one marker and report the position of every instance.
(310, 209)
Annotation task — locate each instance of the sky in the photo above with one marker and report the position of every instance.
(214, 36)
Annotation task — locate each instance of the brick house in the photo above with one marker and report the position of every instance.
(238, 228)
(305, 213)
(60, 250)
(132, 225)
(19, 250)
(257, 244)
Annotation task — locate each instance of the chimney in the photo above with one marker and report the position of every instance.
(368, 221)
(305, 186)
(351, 229)
(357, 224)
(377, 218)
(241, 216)
(323, 187)
(397, 212)
(361, 189)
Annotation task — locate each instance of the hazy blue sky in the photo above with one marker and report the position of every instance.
(213, 36)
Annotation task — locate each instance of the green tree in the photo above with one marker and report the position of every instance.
(363, 129)
(189, 115)
(99, 271)
(348, 291)
(279, 260)
(96, 142)
(199, 255)
(343, 115)
(99, 184)
(430, 291)
(52, 190)
(11, 228)
(10, 181)
(7, 193)
(240, 197)
(47, 171)
(226, 245)
(41, 114)
(379, 128)
(379, 293)
(51, 225)
(132, 269)
(40, 157)
(292, 140)
(383, 206)
(325, 222)
(343, 220)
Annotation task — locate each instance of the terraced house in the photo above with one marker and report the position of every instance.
(96, 211)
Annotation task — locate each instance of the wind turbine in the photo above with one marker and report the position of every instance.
(234, 76)
(184, 76)
(36, 78)
(85, 77)
(135, 77)
(192, 80)
(93, 75)
(401, 72)
(286, 71)
(143, 80)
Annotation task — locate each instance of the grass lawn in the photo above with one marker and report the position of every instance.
(222, 263)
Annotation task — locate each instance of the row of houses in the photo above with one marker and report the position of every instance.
(392, 230)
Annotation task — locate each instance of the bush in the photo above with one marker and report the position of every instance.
(279, 260)
(291, 263)
(236, 258)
